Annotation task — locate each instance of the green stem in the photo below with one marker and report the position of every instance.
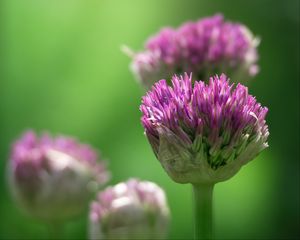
(55, 230)
(203, 211)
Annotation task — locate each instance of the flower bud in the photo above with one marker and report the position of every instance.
(53, 178)
(131, 210)
(207, 46)
(203, 133)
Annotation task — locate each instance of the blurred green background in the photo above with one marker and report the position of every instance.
(62, 70)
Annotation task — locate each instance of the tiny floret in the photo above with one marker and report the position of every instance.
(203, 133)
(53, 178)
(130, 210)
(205, 47)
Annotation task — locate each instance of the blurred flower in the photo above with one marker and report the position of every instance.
(131, 210)
(53, 178)
(208, 46)
(203, 133)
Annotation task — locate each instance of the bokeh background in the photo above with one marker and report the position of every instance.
(62, 70)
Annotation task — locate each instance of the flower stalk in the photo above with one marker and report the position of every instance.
(203, 197)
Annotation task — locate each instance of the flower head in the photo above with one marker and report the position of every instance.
(203, 133)
(210, 45)
(130, 210)
(53, 178)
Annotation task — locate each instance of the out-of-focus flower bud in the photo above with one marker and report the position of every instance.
(131, 210)
(53, 178)
(208, 46)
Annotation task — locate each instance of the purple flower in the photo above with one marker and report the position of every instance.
(203, 133)
(208, 46)
(53, 178)
(130, 210)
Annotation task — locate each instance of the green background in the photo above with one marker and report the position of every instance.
(62, 70)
